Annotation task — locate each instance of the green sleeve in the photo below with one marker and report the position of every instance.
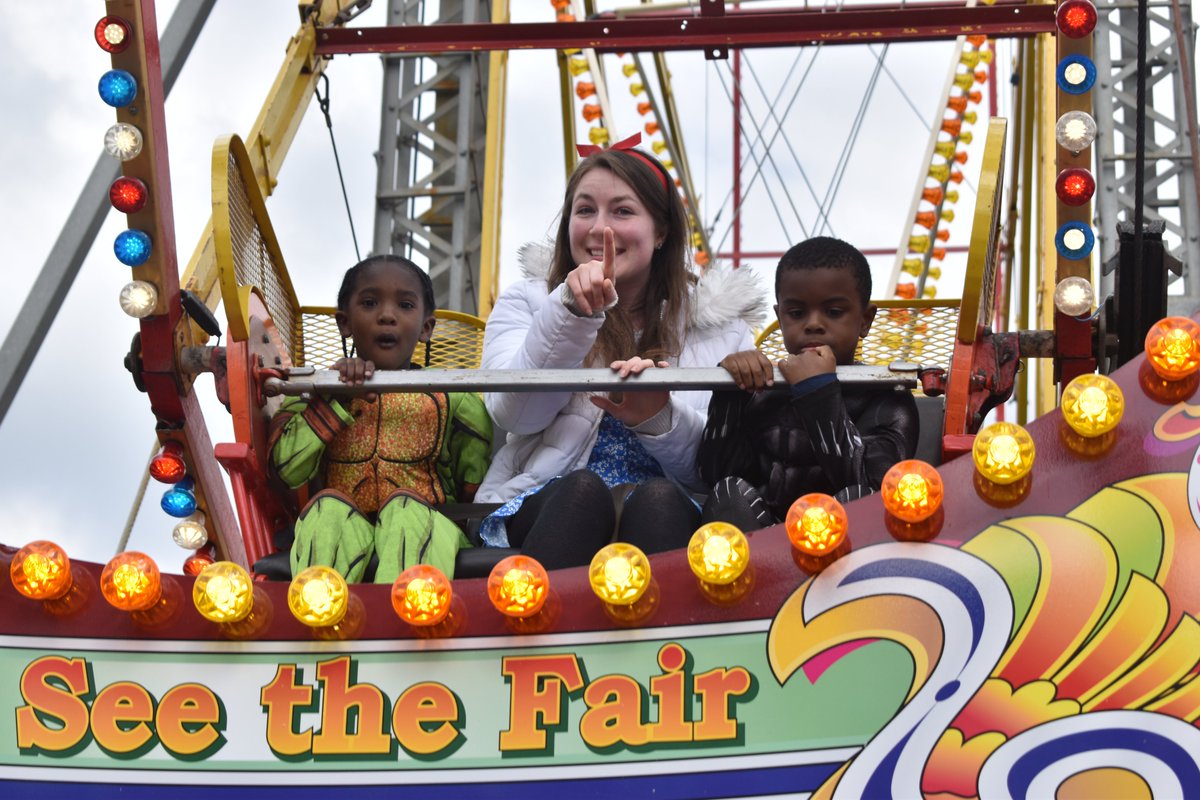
(300, 430)
(467, 451)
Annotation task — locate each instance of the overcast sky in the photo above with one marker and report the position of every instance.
(74, 444)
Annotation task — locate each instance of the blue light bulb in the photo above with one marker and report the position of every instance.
(118, 88)
(1076, 74)
(132, 247)
(178, 502)
(1074, 240)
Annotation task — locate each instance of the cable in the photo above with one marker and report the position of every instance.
(323, 102)
(751, 148)
(840, 170)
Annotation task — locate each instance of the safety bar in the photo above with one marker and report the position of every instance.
(307, 380)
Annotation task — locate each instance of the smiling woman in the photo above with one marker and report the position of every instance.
(617, 291)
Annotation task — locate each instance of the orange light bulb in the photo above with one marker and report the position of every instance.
(421, 596)
(518, 586)
(1173, 348)
(912, 491)
(41, 571)
(131, 581)
(816, 524)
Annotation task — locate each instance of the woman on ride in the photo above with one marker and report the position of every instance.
(615, 289)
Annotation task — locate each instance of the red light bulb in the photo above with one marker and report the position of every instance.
(112, 34)
(195, 564)
(1075, 186)
(1075, 18)
(128, 195)
(168, 465)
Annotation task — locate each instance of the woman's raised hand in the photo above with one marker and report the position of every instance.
(634, 408)
(591, 284)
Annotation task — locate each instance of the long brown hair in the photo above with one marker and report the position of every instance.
(665, 305)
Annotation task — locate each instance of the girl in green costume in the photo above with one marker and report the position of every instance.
(381, 464)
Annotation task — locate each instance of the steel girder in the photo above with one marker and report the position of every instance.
(431, 155)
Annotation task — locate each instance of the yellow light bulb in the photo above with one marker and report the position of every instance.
(421, 595)
(518, 586)
(619, 574)
(318, 597)
(1003, 452)
(1092, 405)
(131, 581)
(41, 571)
(577, 65)
(912, 491)
(816, 524)
(718, 553)
(223, 592)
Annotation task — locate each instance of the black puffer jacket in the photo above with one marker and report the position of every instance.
(834, 439)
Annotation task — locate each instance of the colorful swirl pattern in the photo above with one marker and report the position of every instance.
(1051, 654)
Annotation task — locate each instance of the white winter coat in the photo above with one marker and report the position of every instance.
(552, 433)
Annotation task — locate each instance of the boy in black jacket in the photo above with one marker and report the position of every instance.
(763, 449)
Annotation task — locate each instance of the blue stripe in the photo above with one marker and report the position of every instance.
(943, 576)
(1180, 762)
(740, 783)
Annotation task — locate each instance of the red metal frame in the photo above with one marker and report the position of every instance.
(708, 32)
(172, 399)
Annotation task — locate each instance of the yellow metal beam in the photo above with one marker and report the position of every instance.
(1047, 203)
(493, 170)
(1025, 266)
(272, 133)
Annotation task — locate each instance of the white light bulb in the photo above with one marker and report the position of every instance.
(138, 299)
(1074, 239)
(1075, 131)
(190, 533)
(123, 141)
(1074, 296)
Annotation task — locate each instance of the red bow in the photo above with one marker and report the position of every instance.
(627, 143)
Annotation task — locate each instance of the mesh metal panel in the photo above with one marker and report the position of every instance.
(456, 343)
(254, 266)
(320, 342)
(922, 334)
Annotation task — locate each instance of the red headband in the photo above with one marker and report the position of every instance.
(626, 145)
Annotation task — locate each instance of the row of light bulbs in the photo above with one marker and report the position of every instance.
(132, 247)
(921, 247)
(124, 142)
(620, 574)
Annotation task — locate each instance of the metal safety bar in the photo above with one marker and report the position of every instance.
(307, 380)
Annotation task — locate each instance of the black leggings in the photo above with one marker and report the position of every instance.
(565, 523)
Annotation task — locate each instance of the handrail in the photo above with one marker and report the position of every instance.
(306, 380)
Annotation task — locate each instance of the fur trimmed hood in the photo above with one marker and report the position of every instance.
(719, 295)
